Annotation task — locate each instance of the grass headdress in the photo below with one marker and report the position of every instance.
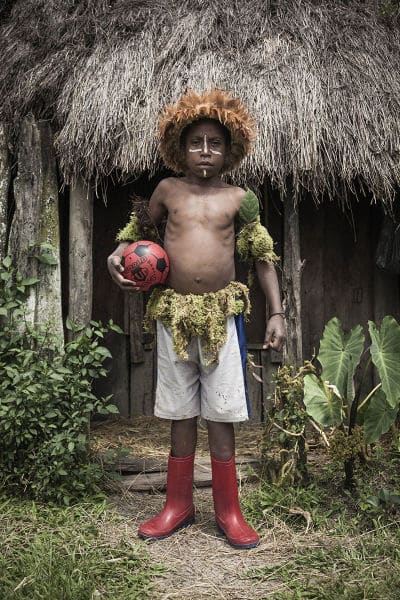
(211, 104)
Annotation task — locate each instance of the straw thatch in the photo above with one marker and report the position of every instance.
(320, 77)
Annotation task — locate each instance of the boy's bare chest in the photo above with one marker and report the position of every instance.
(201, 210)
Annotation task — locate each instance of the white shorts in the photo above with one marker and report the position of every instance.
(188, 388)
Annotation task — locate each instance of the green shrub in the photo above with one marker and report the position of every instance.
(46, 400)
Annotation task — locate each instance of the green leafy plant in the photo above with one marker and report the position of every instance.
(333, 398)
(284, 440)
(46, 400)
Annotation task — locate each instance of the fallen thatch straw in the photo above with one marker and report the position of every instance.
(149, 437)
(318, 77)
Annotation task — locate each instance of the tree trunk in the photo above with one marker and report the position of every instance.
(5, 175)
(34, 235)
(80, 253)
(292, 271)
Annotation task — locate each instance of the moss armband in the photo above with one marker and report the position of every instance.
(198, 315)
(253, 240)
(254, 243)
(131, 232)
(140, 225)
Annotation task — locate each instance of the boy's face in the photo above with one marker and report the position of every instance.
(205, 148)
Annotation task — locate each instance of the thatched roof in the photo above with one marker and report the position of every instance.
(321, 77)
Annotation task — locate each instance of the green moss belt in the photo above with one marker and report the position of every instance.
(198, 315)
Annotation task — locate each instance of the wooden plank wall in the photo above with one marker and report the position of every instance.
(339, 279)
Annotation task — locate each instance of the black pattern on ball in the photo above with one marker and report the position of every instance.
(161, 264)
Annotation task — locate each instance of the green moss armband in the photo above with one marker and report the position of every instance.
(254, 243)
(131, 232)
(140, 225)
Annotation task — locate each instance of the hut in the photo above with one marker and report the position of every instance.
(82, 84)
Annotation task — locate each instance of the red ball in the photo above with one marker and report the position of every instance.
(146, 263)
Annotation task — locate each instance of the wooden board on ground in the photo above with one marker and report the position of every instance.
(157, 479)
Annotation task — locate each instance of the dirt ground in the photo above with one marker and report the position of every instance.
(199, 564)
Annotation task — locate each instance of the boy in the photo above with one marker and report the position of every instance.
(199, 316)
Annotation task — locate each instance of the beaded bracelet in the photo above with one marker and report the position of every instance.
(277, 313)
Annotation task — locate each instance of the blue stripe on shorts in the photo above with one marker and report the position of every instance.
(241, 334)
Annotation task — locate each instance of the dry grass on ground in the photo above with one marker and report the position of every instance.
(149, 437)
(199, 564)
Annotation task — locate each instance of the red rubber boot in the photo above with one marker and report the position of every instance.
(178, 510)
(228, 515)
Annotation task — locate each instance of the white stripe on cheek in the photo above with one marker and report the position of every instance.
(194, 149)
(216, 152)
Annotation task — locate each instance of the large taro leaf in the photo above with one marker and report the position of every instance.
(321, 401)
(385, 353)
(340, 354)
(378, 417)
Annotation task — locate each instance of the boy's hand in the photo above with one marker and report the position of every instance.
(116, 269)
(275, 333)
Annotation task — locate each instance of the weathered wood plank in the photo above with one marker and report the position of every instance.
(49, 303)
(254, 386)
(5, 176)
(137, 353)
(80, 253)
(313, 246)
(36, 222)
(24, 232)
(202, 477)
(137, 464)
(292, 271)
(142, 385)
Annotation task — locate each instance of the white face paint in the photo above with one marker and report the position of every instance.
(205, 148)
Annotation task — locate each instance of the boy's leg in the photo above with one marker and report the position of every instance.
(221, 439)
(178, 510)
(183, 437)
(225, 491)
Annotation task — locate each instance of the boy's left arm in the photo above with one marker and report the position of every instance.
(275, 333)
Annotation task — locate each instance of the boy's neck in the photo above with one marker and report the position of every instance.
(205, 182)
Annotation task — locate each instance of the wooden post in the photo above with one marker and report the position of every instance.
(5, 175)
(24, 232)
(80, 253)
(292, 271)
(34, 234)
(49, 304)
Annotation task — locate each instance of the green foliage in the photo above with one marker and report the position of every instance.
(329, 398)
(340, 354)
(378, 417)
(297, 506)
(81, 552)
(283, 444)
(46, 400)
(249, 208)
(385, 354)
(365, 568)
(345, 447)
(322, 401)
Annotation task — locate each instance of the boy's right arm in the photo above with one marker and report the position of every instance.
(157, 211)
